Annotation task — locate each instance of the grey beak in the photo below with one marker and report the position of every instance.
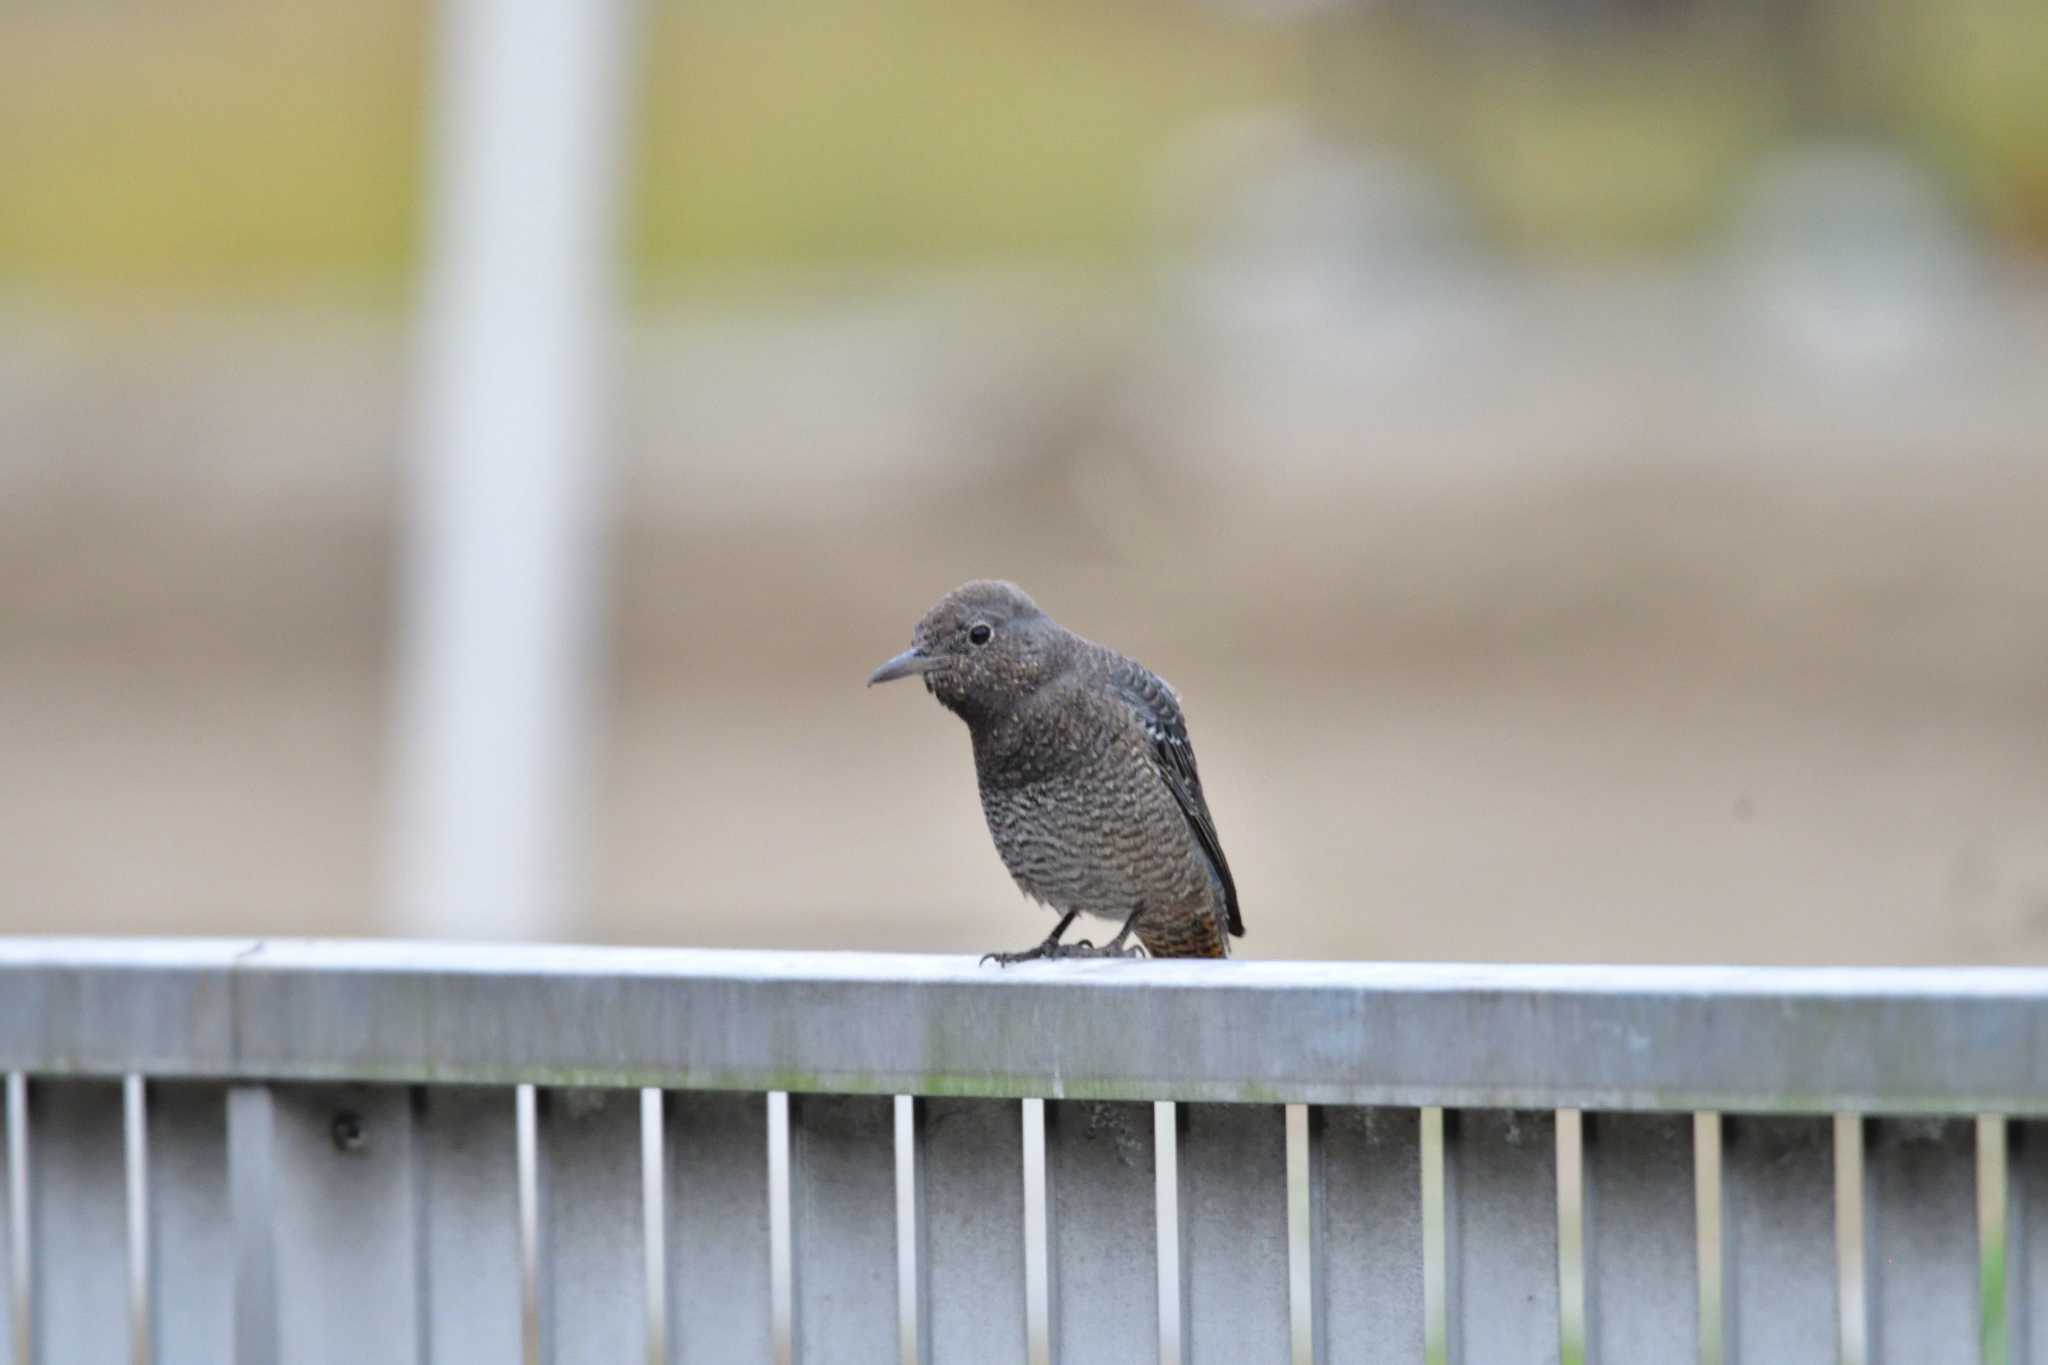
(904, 665)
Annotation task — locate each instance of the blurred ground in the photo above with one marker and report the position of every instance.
(1594, 635)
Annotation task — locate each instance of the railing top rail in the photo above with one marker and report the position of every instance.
(1753, 1039)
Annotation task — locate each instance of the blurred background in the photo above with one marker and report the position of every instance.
(1581, 462)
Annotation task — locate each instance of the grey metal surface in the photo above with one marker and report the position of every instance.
(970, 1232)
(252, 1184)
(720, 1304)
(1893, 1041)
(1232, 1215)
(191, 1242)
(1501, 1289)
(1101, 1203)
(1365, 1235)
(1920, 1252)
(13, 1229)
(1641, 1239)
(345, 1229)
(842, 1216)
(324, 1243)
(1779, 1283)
(592, 1237)
(467, 1157)
(2026, 1243)
(78, 1218)
(135, 1217)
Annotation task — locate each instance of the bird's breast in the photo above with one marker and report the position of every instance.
(1104, 838)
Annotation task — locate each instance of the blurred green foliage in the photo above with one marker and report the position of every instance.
(208, 143)
(228, 145)
(875, 130)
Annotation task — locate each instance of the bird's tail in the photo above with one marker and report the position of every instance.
(1183, 936)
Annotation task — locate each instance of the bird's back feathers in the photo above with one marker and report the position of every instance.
(1157, 707)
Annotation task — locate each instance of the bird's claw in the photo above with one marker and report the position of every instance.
(1049, 951)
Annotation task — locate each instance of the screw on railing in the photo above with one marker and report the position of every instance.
(348, 1133)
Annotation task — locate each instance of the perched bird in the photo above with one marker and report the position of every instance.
(1087, 777)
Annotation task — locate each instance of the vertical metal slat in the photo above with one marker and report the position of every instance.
(842, 1220)
(1233, 1234)
(466, 1146)
(135, 1218)
(79, 1223)
(345, 1233)
(1778, 1280)
(591, 1267)
(970, 1221)
(720, 1305)
(1641, 1242)
(1920, 1253)
(1500, 1237)
(252, 1185)
(2026, 1241)
(14, 1249)
(191, 1245)
(1365, 1235)
(1101, 1202)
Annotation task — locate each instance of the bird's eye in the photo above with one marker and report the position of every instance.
(979, 635)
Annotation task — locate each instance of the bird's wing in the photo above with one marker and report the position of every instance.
(1158, 711)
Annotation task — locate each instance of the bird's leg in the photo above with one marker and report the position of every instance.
(1052, 947)
(1115, 947)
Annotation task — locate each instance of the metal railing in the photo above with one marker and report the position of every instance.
(308, 1152)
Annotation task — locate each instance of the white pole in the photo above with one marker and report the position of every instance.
(496, 649)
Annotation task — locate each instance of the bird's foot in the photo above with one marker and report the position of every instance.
(1112, 951)
(1043, 952)
(1050, 951)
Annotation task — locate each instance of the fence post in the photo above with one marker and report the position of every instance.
(501, 572)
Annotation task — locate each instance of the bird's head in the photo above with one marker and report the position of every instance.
(984, 648)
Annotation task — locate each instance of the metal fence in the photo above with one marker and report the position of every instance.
(310, 1152)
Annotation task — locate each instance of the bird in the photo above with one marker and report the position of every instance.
(1088, 779)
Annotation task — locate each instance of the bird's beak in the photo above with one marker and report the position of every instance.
(909, 662)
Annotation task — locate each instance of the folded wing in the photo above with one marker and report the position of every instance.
(1158, 711)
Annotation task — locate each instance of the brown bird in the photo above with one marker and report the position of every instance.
(1088, 780)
